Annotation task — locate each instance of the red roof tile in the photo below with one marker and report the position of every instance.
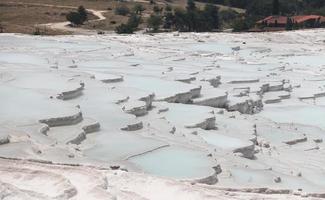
(283, 19)
(273, 19)
(303, 18)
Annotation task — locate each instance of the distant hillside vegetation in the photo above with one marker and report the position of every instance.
(264, 7)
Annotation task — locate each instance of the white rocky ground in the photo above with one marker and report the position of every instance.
(182, 116)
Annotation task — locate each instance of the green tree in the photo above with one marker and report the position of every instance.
(157, 9)
(83, 13)
(122, 10)
(124, 29)
(169, 18)
(138, 9)
(168, 8)
(180, 20)
(134, 21)
(154, 22)
(190, 5)
(191, 17)
(276, 7)
(240, 24)
(211, 17)
(227, 16)
(131, 25)
(289, 24)
(74, 18)
(79, 17)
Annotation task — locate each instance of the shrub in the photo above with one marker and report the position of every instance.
(122, 10)
(138, 9)
(289, 24)
(79, 17)
(37, 31)
(74, 18)
(134, 21)
(154, 22)
(128, 28)
(169, 18)
(83, 13)
(157, 10)
(240, 25)
(228, 15)
(124, 29)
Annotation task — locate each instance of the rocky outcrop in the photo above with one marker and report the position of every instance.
(122, 100)
(272, 100)
(88, 128)
(296, 141)
(217, 102)
(275, 97)
(74, 134)
(78, 139)
(63, 121)
(112, 79)
(207, 124)
(214, 81)
(184, 97)
(4, 139)
(186, 79)
(316, 195)
(276, 86)
(44, 129)
(71, 94)
(245, 105)
(137, 108)
(262, 190)
(240, 91)
(179, 98)
(195, 92)
(246, 152)
(92, 127)
(244, 81)
(148, 100)
(213, 179)
(312, 96)
(133, 127)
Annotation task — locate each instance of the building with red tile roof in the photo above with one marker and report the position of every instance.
(308, 21)
(273, 21)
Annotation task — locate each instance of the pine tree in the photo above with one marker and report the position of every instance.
(276, 7)
(83, 13)
(289, 24)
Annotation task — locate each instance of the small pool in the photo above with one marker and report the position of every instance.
(21, 58)
(175, 162)
(224, 141)
(21, 104)
(308, 115)
(176, 112)
(212, 47)
(306, 60)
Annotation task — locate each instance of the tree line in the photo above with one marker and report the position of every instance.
(259, 9)
(78, 17)
(190, 19)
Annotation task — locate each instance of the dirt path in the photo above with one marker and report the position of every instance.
(64, 26)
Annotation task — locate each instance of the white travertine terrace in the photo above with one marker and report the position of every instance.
(167, 116)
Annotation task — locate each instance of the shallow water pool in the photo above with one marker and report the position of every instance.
(308, 115)
(176, 162)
